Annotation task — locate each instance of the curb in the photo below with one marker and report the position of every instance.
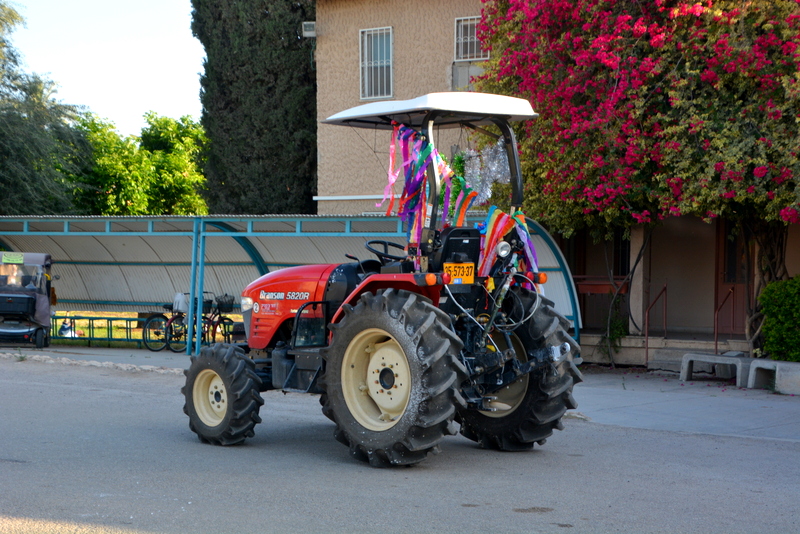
(92, 363)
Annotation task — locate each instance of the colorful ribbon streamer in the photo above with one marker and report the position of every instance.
(416, 154)
(531, 259)
(498, 224)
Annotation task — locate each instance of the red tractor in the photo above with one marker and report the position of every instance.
(449, 333)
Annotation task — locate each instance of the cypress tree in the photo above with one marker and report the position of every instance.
(259, 105)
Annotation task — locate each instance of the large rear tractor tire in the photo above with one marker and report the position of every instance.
(392, 378)
(530, 408)
(222, 395)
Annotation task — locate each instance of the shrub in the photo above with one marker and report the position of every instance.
(781, 307)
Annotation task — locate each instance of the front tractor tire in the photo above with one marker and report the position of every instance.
(222, 395)
(530, 408)
(391, 378)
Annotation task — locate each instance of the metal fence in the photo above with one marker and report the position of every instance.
(99, 329)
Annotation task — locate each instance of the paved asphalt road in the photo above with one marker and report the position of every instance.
(94, 449)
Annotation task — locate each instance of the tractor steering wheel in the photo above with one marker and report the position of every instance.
(384, 255)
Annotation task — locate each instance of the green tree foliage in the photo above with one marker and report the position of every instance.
(157, 174)
(117, 178)
(656, 108)
(9, 19)
(177, 151)
(259, 105)
(39, 145)
(781, 303)
(57, 159)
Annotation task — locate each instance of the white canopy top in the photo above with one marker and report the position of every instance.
(455, 107)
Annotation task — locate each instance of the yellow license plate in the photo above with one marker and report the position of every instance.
(460, 273)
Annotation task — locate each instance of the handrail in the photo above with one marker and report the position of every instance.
(716, 317)
(647, 323)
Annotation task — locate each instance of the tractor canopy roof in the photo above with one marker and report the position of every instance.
(452, 110)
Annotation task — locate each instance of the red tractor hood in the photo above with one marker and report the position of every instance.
(277, 297)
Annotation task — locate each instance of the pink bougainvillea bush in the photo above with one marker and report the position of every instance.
(652, 108)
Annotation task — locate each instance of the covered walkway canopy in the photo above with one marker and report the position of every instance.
(139, 263)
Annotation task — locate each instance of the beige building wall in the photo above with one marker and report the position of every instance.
(683, 256)
(353, 162)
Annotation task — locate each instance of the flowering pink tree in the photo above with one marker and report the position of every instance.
(656, 108)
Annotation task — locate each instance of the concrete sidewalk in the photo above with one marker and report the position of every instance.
(635, 398)
(632, 398)
(138, 358)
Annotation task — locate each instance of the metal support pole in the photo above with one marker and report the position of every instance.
(200, 292)
(190, 315)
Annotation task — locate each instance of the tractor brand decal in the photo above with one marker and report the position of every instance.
(280, 295)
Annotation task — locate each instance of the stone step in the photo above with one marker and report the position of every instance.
(670, 360)
(662, 353)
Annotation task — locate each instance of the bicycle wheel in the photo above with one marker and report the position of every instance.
(177, 334)
(154, 332)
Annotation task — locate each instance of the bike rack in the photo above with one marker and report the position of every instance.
(661, 293)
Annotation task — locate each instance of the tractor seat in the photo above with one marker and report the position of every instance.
(460, 244)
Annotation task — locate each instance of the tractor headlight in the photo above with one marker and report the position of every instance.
(247, 304)
(502, 249)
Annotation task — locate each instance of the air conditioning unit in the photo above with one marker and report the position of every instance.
(309, 29)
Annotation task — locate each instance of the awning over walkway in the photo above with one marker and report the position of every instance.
(139, 263)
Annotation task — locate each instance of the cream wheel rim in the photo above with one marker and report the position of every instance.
(376, 379)
(210, 398)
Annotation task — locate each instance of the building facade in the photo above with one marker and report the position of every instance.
(369, 50)
(689, 277)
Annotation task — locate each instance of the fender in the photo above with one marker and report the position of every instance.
(415, 283)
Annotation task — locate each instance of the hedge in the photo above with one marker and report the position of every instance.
(781, 307)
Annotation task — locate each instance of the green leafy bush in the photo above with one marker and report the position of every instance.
(781, 307)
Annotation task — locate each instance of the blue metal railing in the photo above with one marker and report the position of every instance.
(106, 329)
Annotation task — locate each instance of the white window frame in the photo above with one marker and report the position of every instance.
(371, 86)
(467, 39)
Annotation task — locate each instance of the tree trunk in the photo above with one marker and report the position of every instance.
(768, 258)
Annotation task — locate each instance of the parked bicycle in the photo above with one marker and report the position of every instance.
(177, 331)
(216, 323)
(160, 331)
